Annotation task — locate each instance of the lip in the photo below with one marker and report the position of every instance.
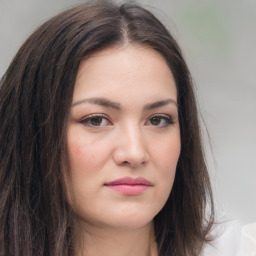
(129, 185)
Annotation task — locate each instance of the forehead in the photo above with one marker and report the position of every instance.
(128, 71)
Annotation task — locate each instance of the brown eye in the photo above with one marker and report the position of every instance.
(155, 120)
(160, 121)
(96, 121)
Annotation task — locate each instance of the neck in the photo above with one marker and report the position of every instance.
(96, 241)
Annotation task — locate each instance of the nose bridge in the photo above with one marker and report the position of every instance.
(132, 148)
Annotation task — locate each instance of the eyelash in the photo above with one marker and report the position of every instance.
(167, 120)
(87, 121)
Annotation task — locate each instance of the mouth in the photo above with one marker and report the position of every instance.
(129, 185)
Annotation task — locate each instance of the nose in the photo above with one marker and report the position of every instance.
(131, 148)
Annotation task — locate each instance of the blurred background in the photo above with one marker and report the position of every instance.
(218, 39)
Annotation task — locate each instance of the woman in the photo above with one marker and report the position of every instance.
(100, 143)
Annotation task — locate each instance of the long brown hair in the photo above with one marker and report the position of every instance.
(35, 99)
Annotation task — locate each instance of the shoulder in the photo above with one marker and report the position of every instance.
(248, 239)
(232, 239)
(227, 240)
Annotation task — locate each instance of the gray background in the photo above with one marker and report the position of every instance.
(219, 43)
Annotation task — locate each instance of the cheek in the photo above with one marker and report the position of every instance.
(80, 156)
(165, 158)
(86, 160)
(167, 153)
(84, 154)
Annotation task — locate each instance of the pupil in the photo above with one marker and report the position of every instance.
(155, 120)
(96, 121)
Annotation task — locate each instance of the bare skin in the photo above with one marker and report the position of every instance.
(123, 126)
(107, 242)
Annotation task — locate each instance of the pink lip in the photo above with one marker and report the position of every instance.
(129, 185)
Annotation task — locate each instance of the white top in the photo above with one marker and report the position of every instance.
(233, 239)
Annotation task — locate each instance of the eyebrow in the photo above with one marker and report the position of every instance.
(99, 101)
(160, 103)
(115, 105)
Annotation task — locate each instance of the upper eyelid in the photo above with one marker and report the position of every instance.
(169, 118)
(104, 115)
(86, 121)
(95, 115)
(87, 117)
(107, 117)
(162, 115)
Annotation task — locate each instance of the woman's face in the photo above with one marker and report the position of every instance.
(123, 137)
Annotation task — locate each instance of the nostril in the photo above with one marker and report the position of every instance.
(125, 163)
(132, 163)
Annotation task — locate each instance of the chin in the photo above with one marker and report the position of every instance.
(131, 219)
(131, 224)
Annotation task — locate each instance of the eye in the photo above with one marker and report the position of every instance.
(160, 121)
(95, 120)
